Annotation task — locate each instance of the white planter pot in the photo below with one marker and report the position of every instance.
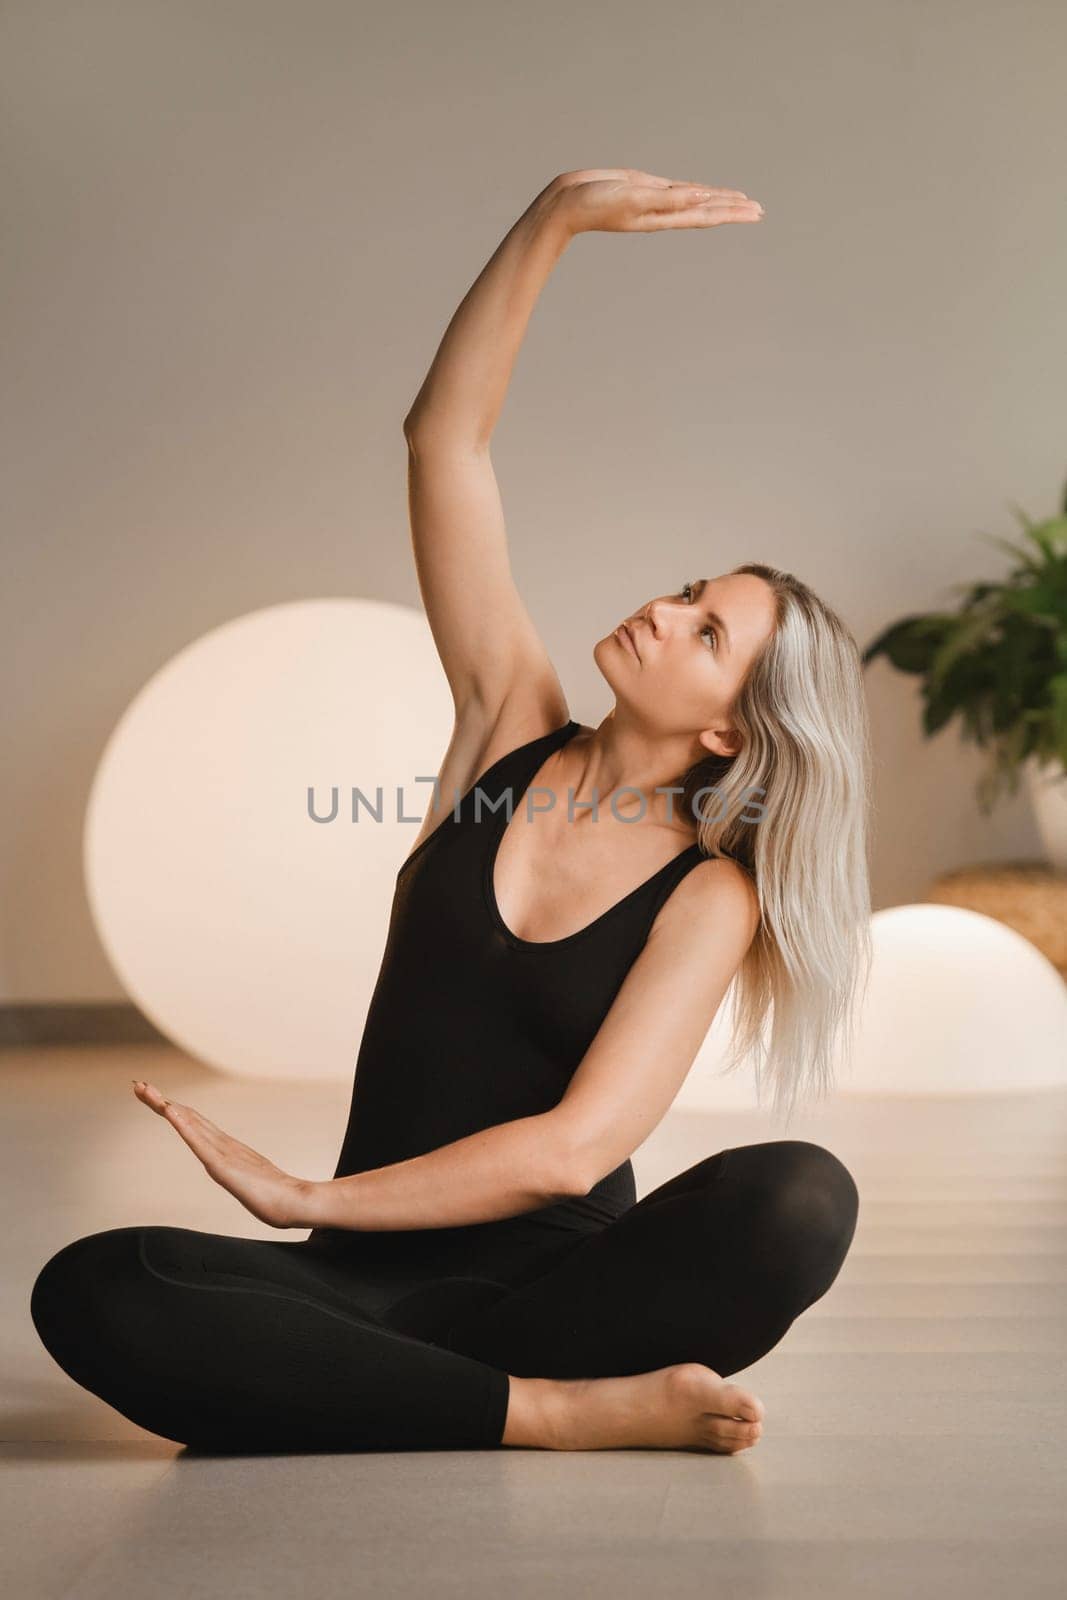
(1046, 783)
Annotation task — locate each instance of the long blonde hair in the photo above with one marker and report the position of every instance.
(792, 807)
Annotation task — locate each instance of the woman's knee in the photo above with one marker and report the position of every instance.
(79, 1281)
(801, 1191)
(816, 1178)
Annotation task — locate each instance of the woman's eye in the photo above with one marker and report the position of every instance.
(686, 592)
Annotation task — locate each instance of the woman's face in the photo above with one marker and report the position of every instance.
(690, 653)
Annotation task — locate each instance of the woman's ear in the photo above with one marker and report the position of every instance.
(721, 741)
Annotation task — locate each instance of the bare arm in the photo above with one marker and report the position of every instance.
(498, 1172)
(485, 637)
(643, 1050)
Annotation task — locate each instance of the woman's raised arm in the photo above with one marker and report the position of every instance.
(484, 635)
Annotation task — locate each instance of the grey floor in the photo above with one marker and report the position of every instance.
(915, 1441)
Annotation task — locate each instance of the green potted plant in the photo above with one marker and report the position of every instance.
(999, 663)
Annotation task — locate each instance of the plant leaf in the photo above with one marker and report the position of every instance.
(971, 630)
(911, 643)
(1020, 552)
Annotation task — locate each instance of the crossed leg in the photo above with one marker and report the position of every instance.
(236, 1344)
(711, 1267)
(697, 1280)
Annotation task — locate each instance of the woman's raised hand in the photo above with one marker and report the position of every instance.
(271, 1195)
(623, 200)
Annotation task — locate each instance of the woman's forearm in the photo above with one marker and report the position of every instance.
(464, 390)
(498, 1172)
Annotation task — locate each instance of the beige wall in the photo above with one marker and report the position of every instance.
(234, 234)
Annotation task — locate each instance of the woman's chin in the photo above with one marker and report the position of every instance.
(607, 654)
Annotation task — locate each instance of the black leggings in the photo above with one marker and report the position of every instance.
(395, 1343)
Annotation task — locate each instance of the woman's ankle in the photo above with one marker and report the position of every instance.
(537, 1412)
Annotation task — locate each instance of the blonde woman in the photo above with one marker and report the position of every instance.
(575, 909)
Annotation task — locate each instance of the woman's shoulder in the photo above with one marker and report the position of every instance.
(717, 886)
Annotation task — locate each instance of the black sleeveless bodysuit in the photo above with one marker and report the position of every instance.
(470, 1026)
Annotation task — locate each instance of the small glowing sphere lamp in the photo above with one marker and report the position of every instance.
(957, 1003)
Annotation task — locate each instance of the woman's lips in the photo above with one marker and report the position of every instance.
(626, 637)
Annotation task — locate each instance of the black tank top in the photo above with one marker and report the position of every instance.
(469, 1026)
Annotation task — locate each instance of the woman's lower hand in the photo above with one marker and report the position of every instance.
(271, 1195)
(624, 200)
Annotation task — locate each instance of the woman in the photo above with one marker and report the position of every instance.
(477, 1272)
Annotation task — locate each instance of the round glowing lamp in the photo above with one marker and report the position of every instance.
(239, 885)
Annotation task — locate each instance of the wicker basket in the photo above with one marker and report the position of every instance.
(1029, 896)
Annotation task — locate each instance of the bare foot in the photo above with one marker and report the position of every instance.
(686, 1407)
